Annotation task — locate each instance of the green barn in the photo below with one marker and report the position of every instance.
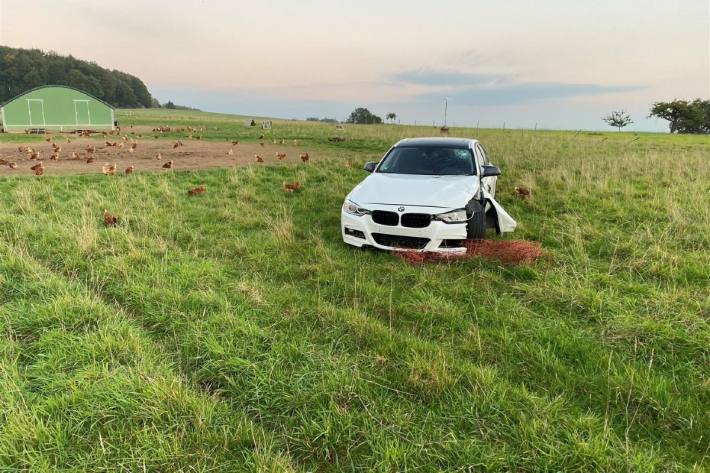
(55, 108)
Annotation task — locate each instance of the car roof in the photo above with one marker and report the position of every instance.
(436, 141)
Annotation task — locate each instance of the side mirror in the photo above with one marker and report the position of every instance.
(490, 171)
(370, 167)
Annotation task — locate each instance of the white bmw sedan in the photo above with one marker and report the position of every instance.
(426, 194)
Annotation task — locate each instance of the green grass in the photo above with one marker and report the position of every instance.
(235, 331)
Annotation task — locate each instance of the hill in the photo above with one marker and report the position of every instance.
(24, 69)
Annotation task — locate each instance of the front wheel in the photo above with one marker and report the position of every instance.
(476, 226)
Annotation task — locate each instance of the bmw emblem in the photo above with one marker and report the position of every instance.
(400, 209)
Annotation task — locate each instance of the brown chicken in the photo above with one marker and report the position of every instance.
(291, 186)
(159, 156)
(90, 159)
(281, 156)
(176, 145)
(108, 169)
(38, 169)
(109, 219)
(305, 157)
(130, 169)
(57, 148)
(258, 158)
(3, 162)
(12, 165)
(196, 191)
(74, 155)
(54, 157)
(91, 149)
(235, 142)
(168, 165)
(523, 192)
(34, 155)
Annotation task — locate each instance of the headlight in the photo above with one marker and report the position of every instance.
(353, 209)
(455, 216)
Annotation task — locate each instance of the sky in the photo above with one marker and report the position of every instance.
(559, 64)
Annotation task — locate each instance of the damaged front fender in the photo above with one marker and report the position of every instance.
(504, 222)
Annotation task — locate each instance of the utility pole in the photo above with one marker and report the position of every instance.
(446, 110)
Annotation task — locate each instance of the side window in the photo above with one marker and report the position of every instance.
(483, 156)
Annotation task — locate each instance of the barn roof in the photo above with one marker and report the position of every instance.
(55, 86)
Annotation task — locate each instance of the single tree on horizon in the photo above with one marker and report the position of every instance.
(363, 116)
(618, 119)
(391, 117)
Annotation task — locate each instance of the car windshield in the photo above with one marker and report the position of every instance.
(429, 160)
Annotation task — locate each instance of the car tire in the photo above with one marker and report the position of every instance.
(476, 226)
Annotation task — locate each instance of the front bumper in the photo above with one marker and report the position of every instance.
(438, 236)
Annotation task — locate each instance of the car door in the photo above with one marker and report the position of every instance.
(487, 183)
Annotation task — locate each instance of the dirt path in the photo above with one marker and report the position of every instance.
(194, 154)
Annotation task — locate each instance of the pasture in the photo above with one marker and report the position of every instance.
(234, 331)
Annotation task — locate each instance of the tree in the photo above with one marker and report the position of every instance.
(24, 69)
(363, 116)
(618, 119)
(391, 117)
(684, 116)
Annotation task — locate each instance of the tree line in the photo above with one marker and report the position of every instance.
(25, 69)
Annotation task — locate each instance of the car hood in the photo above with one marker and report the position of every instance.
(407, 189)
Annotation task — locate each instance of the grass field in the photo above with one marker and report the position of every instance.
(234, 331)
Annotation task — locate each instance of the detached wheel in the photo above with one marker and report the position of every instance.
(476, 226)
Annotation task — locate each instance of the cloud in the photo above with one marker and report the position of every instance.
(496, 89)
(428, 77)
(522, 93)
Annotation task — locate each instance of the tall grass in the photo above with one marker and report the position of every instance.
(235, 330)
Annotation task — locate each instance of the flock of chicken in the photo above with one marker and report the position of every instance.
(90, 157)
(130, 144)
